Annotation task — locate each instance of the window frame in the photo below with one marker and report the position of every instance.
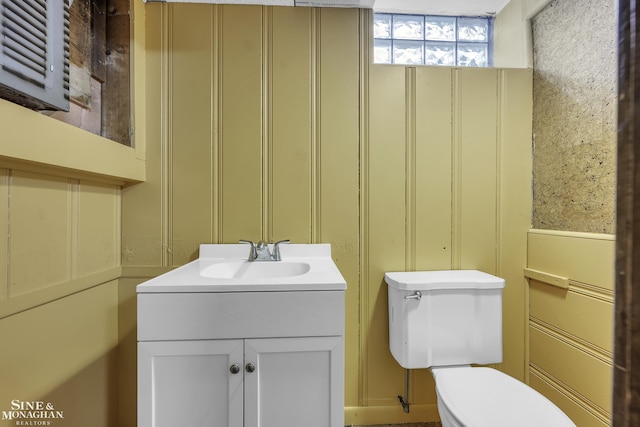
(424, 40)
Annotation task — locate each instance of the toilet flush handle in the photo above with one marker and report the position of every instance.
(416, 295)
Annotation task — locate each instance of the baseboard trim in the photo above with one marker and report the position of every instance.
(375, 415)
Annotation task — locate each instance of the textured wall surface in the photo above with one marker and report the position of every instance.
(574, 116)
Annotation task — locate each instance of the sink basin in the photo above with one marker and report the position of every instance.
(254, 270)
(224, 268)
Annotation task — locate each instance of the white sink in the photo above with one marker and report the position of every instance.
(255, 269)
(224, 268)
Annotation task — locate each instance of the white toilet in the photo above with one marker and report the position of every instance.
(447, 320)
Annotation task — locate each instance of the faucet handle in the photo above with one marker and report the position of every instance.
(253, 254)
(276, 250)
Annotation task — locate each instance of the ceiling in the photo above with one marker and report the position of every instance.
(441, 7)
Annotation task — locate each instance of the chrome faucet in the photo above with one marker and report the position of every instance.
(260, 251)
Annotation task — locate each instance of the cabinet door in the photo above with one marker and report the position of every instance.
(190, 383)
(296, 382)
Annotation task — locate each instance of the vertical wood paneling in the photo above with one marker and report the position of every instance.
(410, 169)
(166, 165)
(365, 54)
(386, 219)
(56, 230)
(4, 232)
(267, 122)
(290, 139)
(98, 226)
(433, 168)
(514, 210)
(441, 186)
(142, 222)
(190, 139)
(338, 185)
(60, 254)
(40, 232)
(73, 221)
(397, 168)
(241, 123)
(216, 120)
(432, 187)
(475, 168)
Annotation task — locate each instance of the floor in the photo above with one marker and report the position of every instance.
(433, 424)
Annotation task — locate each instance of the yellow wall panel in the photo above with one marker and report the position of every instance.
(241, 126)
(475, 169)
(59, 318)
(566, 310)
(514, 210)
(98, 228)
(586, 375)
(429, 180)
(60, 260)
(40, 218)
(291, 96)
(143, 242)
(582, 257)
(336, 213)
(62, 353)
(432, 165)
(572, 329)
(385, 235)
(127, 345)
(397, 167)
(189, 148)
(582, 415)
(446, 154)
(231, 106)
(4, 230)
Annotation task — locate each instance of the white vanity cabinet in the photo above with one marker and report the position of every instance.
(241, 359)
(224, 342)
(234, 383)
(188, 383)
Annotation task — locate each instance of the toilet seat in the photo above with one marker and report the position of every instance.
(485, 397)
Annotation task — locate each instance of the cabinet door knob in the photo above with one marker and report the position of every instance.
(235, 368)
(250, 367)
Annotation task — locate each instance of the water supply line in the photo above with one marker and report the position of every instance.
(405, 401)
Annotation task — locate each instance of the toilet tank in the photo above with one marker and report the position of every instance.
(441, 318)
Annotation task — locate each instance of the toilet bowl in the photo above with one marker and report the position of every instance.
(485, 397)
(448, 320)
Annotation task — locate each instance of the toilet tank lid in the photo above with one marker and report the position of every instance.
(442, 279)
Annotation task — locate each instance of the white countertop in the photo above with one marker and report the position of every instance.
(323, 275)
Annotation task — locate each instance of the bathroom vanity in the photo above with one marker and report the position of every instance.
(223, 342)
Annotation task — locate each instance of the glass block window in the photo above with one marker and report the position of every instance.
(432, 40)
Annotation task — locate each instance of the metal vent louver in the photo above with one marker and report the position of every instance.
(34, 53)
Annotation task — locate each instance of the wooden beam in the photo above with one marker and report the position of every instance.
(116, 120)
(99, 34)
(626, 393)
